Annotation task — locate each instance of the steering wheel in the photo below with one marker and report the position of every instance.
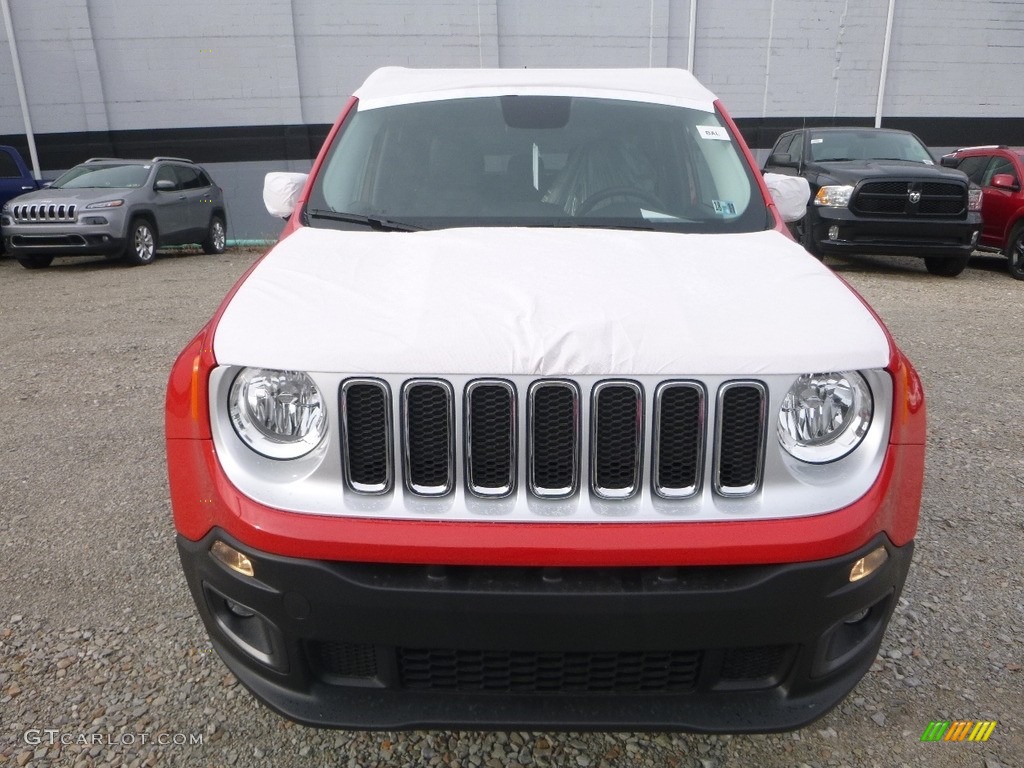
(587, 205)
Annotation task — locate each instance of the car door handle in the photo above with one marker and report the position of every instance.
(28, 187)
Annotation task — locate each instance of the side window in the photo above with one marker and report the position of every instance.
(166, 173)
(204, 180)
(998, 165)
(796, 149)
(8, 168)
(188, 178)
(783, 144)
(974, 167)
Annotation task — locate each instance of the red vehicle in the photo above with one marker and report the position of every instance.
(522, 424)
(999, 171)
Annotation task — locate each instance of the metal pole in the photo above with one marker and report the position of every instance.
(885, 64)
(693, 35)
(21, 89)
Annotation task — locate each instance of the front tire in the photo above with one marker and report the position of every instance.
(942, 267)
(1015, 253)
(141, 249)
(216, 236)
(807, 238)
(35, 262)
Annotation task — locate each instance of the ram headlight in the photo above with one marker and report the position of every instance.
(279, 414)
(824, 416)
(831, 196)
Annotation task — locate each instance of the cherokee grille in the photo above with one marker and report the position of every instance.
(433, 420)
(910, 198)
(35, 213)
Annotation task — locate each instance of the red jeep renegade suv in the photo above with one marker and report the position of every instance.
(537, 417)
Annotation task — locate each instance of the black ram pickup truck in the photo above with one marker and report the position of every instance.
(879, 191)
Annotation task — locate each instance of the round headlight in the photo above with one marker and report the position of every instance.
(278, 414)
(824, 416)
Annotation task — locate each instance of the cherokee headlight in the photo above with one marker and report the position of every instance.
(834, 196)
(824, 416)
(105, 204)
(279, 414)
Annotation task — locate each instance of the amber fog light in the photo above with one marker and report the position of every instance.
(868, 564)
(232, 558)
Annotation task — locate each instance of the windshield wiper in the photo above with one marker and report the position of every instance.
(374, 222)
(598, 223)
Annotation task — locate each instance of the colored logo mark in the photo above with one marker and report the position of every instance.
(958, 730)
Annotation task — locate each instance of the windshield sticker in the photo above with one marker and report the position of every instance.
(816, 141)
(724, 208)
(713, 132)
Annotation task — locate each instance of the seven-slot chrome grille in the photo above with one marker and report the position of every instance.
(44, 213)
(488, 434)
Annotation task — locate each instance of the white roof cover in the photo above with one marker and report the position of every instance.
(546, 302)
(389, 86)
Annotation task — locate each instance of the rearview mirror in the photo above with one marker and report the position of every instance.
(281, 192)
(790, 193)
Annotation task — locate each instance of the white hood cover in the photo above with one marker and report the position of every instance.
(546, 302)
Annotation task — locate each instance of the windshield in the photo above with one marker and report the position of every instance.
(868, 145)
(536, 161)
(103, 177)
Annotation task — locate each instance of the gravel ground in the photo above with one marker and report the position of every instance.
(103, 660)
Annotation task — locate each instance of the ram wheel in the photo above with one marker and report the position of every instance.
(216, 236)
(141, 248)
(946, 267)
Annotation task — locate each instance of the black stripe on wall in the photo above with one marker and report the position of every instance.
(232, 144)
(252, 143)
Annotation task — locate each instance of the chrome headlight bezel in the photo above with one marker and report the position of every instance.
(825, 416)
(278, 414)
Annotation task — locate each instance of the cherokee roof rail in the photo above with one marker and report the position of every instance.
(174, 159)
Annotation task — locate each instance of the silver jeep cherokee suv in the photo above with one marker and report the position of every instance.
(116, 208)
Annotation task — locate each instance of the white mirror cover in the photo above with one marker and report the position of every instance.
(281, 192)
(790, 193)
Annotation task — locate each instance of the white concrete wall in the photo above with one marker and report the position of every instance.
(135, 65)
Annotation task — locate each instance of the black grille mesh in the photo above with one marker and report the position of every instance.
(491, 438)
(429, 438)
(538, 671)
(554, 435)
(680, 429)
(753, 663)
(344, 659)
(366, 434)
(617, 425)
(739, 446)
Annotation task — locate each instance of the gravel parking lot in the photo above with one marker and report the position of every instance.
(103, 660)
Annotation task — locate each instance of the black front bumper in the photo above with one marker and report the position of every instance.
(893, 236)
(714, 649)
